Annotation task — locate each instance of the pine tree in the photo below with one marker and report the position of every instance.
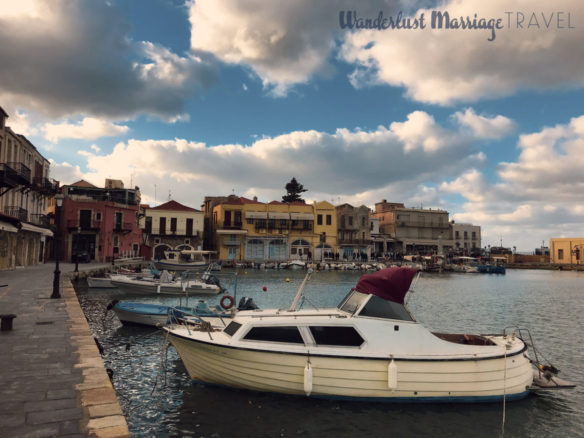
(294, 190)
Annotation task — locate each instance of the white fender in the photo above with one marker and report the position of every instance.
(308, 379)
(392, 376)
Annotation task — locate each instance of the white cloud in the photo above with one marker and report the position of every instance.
(484, 127)
(89, 128)
(284, 43)
(76, 57)
(444, 66)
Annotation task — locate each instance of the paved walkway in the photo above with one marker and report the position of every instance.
(52, 378)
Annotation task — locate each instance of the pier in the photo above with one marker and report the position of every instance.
(53, 380)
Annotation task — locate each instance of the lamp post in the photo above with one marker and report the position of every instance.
(77, 250)
(56, 278)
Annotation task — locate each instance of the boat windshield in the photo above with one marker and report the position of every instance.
(379, 308)
(352, 301)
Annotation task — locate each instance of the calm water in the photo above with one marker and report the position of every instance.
(159, 399)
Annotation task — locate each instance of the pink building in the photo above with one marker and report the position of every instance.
(99, 224)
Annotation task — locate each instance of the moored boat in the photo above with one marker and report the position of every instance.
(166, 285)
(370, 347)
(183, 260)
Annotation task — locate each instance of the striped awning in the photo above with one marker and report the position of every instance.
(278, 215)
(302, 216)
(5, 226)
(35, 229)
(256, 215)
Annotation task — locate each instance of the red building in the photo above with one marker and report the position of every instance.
(99, 224)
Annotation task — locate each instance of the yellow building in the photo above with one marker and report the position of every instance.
(255, 231)
(567, 250)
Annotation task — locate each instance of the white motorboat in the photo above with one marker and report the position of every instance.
(166, 285)
(99, 282)
(183, 260)
(368, 348)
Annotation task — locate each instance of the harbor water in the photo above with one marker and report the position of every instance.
(159, 400)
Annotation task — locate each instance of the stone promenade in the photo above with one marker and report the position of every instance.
(52, 379)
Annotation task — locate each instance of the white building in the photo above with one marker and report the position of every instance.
(466, 237)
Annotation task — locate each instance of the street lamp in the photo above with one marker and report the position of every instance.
(58, 203)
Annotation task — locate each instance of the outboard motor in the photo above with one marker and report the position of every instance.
(212, 279)
(247, 303)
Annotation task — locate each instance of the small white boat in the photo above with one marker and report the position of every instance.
(99, 282)
(368, 348)
(165, 285)
(183, 260)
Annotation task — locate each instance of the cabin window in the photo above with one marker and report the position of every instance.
(337, 336)
(288, 334)
(380, 308)
(352, 301)
(232, 328)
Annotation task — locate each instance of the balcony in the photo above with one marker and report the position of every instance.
(44, 185)
(124, 227)
(40, 219)
(76, 224)
(230, 242)
(232, 225)
(22, 172)
(17, 212)
(349, 241)
(8, 176)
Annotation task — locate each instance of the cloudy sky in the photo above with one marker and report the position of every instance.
(213, 97)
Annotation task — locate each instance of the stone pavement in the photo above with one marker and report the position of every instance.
(52, 378)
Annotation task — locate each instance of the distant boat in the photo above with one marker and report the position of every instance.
(207, 285)
(183, 260)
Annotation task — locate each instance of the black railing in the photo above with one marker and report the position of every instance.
(17, 212)
(40, 219)
(44, 185)
(8, 176)
(22, 171)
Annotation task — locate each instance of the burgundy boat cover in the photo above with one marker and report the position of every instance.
(389, 283)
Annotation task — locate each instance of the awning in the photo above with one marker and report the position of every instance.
(276, 215)
(302, 216)
(231, 231)
(5, 226)
(256, 215)
(35, 229)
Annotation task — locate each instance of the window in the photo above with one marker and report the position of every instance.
(250, 221)
(148, 225)
(232, 328)
(189, 231)
(227, 221)
(173, 225)
(363, 221)
(289, 334)
(352, 301)
(379, 308)
(465, 235)
(474, 235)
(271, 223)
(118, 221)
(560, 254)
(162, 226)
(329, 219)
(319, 219)
(85, 219)
(350, 221)
(307, 225)
(261, 223)
(283, 223)
(457, 235)
(337, 336)
(237, 218)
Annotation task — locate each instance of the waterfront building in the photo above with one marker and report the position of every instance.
(171, 225)
(99, 224)
(246, 229)
(207, 207)
(413, 230)
(567, 250)
(25, 189)
(354, 232)
(466, 238)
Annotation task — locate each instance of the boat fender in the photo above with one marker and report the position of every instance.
(392, 375)
(227, 302)
(308, 379)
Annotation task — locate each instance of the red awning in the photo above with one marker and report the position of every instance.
(390, 283)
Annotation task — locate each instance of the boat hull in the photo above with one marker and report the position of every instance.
(99, 282)
(356, 378)
(179, 267)
(152, 287)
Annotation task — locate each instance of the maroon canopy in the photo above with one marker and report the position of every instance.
(389, 283)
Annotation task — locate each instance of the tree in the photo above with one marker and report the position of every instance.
(294, 190)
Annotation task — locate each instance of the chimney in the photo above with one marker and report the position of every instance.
(255, 198)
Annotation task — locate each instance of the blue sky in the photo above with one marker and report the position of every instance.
(215, 97)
